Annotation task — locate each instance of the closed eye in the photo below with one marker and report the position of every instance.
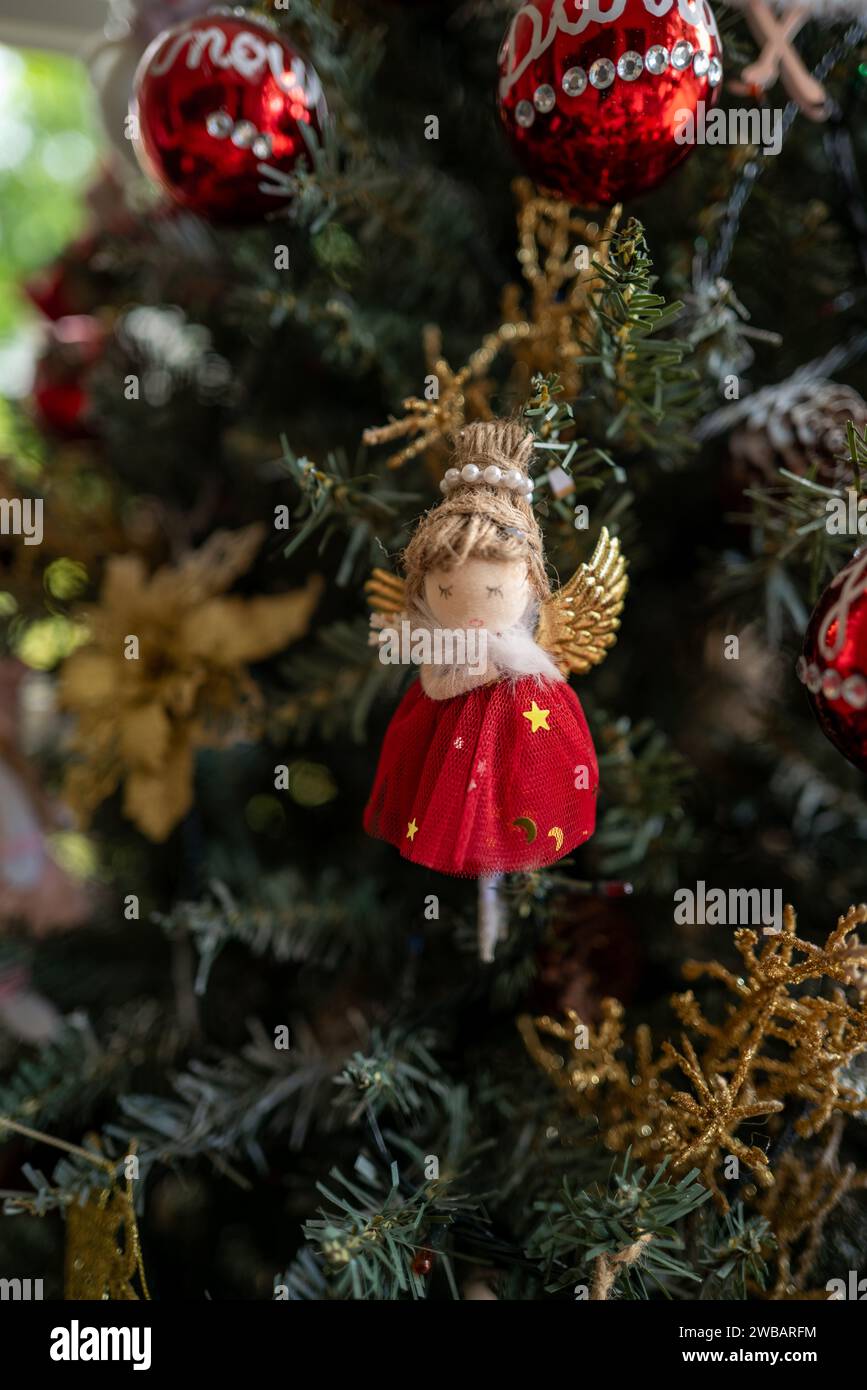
(494, 589)
(447, 592)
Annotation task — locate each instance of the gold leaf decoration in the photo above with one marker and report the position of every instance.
(386, 593)
(103, 1253)
(805, 1191)
(103, 1256)
(543, 330)
(780, 1049)
(139, 721)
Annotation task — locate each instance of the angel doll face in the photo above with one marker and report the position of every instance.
(479, 593)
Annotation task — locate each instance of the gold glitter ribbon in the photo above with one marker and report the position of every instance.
(103, 1250)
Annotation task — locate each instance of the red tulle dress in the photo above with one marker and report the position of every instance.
(501, 779)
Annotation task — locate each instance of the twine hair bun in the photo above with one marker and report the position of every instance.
(501, 442)
(482, 519)
(496, 454)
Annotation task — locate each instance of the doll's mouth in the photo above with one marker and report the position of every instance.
(475, 622)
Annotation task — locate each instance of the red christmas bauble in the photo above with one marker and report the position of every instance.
(833, 663)
(220, 104)
(48, 289)
(596, 96)
(423, 1262)
(61, 394)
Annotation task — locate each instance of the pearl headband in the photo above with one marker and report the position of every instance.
(509, 479)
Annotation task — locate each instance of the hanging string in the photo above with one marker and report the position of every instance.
(754, 168)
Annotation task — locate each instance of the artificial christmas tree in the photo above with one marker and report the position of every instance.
(275, 1066)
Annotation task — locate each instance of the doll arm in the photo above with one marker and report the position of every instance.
(578, 624)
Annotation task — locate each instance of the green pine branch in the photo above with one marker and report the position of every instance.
(631, 1215)
(68, 1078)
(642, 393)
(644, 825)
(734, 1251)
(330, 922)
(338, 498)
(370, 1233)
(397, 1072)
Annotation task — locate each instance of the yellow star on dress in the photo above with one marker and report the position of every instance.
(411, 829)
(538, 717)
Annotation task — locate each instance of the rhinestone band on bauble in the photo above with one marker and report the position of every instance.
(852, 689)
(628, 68)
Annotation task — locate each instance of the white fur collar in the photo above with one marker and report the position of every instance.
(512, 655)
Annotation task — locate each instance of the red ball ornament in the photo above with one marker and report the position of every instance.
(61, 393)
(423, 1262)
(221, 103)
(595, 96)
(833, 663)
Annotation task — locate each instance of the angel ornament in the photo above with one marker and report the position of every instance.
(489, 768)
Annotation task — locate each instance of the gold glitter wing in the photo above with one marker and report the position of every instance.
(386, 593)
(578, 624)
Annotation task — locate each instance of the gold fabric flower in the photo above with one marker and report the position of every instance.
(164, 673)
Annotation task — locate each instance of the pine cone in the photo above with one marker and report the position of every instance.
(799, 425)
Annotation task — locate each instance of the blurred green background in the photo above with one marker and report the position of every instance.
(50, 143)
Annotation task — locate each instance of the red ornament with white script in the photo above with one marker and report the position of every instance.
(221, 104)
(833, 663)
(596, 96)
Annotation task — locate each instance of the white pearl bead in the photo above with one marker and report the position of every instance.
(511, 478)
(492, 474)
(444, 486)
(524, 486)
(470, 472)
(452, 475)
